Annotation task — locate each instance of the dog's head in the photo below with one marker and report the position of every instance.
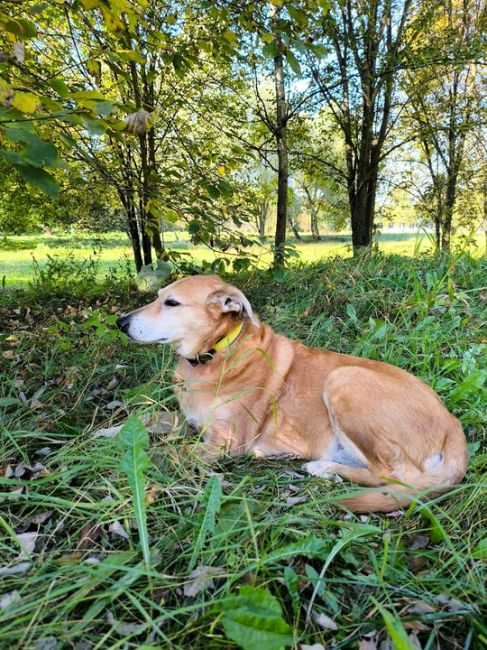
(190, 314)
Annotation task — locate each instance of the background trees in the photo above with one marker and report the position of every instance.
(210, 114)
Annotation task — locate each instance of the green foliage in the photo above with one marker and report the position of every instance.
(211, 506)
(254, 619)
(134, 464)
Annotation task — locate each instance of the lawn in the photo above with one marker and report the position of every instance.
(17, 253)
(243, 549)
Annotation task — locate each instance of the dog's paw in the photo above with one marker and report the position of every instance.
(323, 469)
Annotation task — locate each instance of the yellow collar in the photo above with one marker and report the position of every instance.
(227, 341)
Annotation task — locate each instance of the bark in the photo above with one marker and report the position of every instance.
(282, 156)
(293, 226)
(315, 232)
(262, 220)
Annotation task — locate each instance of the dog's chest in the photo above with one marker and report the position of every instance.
(198, 403)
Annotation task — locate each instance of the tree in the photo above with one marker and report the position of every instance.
(359, 86)
(445, 103)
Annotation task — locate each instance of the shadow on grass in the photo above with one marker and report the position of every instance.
(18, 244)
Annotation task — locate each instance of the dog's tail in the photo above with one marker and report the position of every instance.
(448, 469)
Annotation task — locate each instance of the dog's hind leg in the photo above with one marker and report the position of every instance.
(328, 469)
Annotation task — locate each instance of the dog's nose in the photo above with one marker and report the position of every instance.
(123, 323)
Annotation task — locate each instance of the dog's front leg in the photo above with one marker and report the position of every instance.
(217, 442)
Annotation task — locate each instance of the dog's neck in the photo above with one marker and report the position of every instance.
(222, 344)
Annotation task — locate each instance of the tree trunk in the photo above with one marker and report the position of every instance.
(282, 156)
(262, 220)
(294, 228)
(315, 232)
(127, 202)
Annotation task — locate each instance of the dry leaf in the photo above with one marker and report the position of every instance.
(419, 541)
(8, 354)
(395, 513)
(124, 628)
(28, 542)
(325, 622)
(108, 432)
(315, 646)
(46, 643)
(16, 570)
(8, 599)
(420, 607)
(451, 604)
(138, 123)
(292, 501)
(111, 406)
(36, 519)
(416, 625)
(201, 579)
(117, 529)
(43, 451)
(368, 643)
(413, 638)
(89, 534)
(112, 383)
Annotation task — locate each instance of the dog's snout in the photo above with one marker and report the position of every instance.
(123, 323)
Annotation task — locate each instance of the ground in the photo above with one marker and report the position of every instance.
(230, 554)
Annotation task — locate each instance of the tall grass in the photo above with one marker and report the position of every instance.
(245, 549)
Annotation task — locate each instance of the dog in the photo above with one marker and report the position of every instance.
(250, 390)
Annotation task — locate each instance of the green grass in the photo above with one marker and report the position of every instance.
(66, 372)
(18, 252)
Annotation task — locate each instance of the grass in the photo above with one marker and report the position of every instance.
(17, 253)
(107, 569)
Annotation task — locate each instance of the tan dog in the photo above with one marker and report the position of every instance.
(248, 389)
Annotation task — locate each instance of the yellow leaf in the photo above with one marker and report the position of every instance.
(90, 4)
(25, 102)
(6, 91)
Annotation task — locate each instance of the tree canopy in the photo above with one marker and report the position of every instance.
(219, 116)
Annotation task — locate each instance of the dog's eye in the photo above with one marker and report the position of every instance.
(171, 303)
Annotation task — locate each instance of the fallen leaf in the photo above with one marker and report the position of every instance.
(112, 383)
(117, 529)
(24, 467)
(124, 628)
(201, 579)
(36, 519)
(43, 451)
(395, 514)
(8, 354)
(368, 643)
(416, 625)
(8, 599)
(28, 542)
(36, 404)
(315, 646)
(46, 643)
(451, 604)
(111, 406)
(16, 570)
(108, 432)
(6, 471)
(420, 607)
(324, 621)
(89, 534)
(292, 501)
(413, 638)
(419, 541)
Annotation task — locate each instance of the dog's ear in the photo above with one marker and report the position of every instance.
(230, 300)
